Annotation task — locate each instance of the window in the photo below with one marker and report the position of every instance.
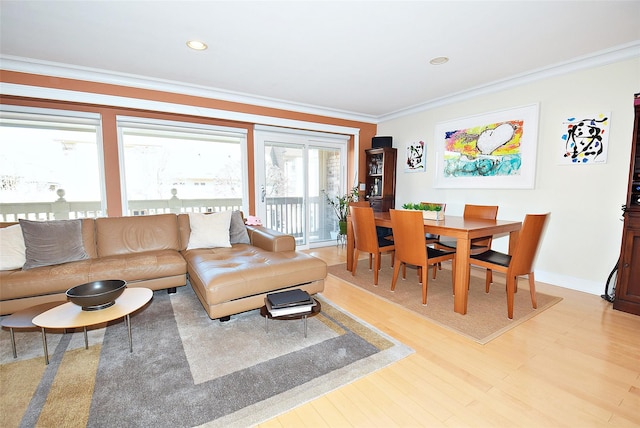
(181, 167)
(50, 164)
(293, 168)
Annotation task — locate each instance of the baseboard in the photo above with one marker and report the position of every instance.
(584, 285)
(578, 284)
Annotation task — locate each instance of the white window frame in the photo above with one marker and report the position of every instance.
(66, 116)
(171, 125)
(307, 139)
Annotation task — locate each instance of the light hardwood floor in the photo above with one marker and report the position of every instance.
(576, 364)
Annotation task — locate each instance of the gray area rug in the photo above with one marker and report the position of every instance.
(188, 370)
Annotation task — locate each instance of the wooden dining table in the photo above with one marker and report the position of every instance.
(463, 230)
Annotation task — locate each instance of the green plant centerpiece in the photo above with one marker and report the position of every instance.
(429, 211)
(340, 205)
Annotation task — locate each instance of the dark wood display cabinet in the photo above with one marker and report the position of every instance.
(627, 297)
(381, 178)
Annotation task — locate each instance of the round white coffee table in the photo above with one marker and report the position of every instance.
(70, 315)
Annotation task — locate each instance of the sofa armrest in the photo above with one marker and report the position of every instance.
(271, 240)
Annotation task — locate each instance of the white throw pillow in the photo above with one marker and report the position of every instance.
(12, 248)
(209, 230)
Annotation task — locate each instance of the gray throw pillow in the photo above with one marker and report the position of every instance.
(52, 242)
(237, 229)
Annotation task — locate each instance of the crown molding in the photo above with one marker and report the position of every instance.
(54, 69)
(47, 68)
(597, 59)
(136, 103)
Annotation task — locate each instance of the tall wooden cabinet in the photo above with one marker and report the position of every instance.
(381, 178)
(627, 296)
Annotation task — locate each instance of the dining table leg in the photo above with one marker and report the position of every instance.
(461, 275)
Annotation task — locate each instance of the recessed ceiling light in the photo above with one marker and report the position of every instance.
(197, 45)
(439, 60)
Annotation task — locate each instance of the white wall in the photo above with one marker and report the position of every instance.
(582, 240)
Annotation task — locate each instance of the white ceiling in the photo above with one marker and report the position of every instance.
(356, 59)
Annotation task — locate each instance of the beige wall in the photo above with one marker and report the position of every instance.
(582, 241)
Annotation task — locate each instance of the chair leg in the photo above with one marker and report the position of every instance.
(396, 271)
(532, 290)
(404, 270)
(487, 281)
(370, 259)
(510, 295)
(515, 285)
(376, 262)
(425, 282)
(436, 267)
(356, 254)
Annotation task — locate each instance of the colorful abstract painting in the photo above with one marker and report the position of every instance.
(492, 150)
(416, 157)
(585, 139)
(485, 150)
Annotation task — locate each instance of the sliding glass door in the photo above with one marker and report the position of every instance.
(292, 170)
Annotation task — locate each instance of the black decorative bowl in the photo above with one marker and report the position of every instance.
(96, 295)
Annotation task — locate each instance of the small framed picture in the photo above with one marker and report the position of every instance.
(416, 160)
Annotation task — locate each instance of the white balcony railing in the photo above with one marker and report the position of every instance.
(285, 214)
(61, 209)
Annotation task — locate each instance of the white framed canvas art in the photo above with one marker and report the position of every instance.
(492, 150)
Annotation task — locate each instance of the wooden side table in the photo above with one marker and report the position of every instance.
(315, 309)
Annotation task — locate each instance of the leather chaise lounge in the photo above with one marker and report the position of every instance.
(232, 280)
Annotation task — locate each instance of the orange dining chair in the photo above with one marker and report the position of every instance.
(381, 231)
(518, 264)
(478, 245)
(411, 247)
(367, 240)
(431, 238)
(362, 204)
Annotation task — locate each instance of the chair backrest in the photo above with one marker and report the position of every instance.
(527, 246)
(408, 236)
(488, 212)
(485, 212)
(364, 229)
(436, 203)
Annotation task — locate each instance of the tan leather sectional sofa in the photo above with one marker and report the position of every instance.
(150, 251)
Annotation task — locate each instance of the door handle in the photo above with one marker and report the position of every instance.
(263, 193)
